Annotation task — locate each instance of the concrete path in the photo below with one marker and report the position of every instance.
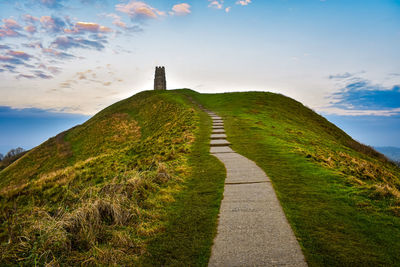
(252, 228)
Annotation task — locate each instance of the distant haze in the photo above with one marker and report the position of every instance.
(392, 153)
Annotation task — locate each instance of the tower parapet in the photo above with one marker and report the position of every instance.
(159, 79)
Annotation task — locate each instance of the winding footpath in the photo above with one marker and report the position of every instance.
(252, 228)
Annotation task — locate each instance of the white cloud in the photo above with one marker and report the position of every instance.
(355, 112)
(218, 4)
(243, 2)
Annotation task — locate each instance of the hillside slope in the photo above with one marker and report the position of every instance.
(135, 185)
(342, 198)
(99, 193)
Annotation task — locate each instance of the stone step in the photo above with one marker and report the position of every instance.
(218, 131)
(218, 136)
(218, 124)
(218, 127)
(219, 143)
(217, 120)
(216, 117)
(220, 149)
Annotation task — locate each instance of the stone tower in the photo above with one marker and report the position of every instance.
(159, 79)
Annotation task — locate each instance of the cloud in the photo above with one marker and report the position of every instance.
(341, 76)
(8, 67)
(4, 46)
(81, 27)
(117, 21)
(67, 42)
(120, 24)
(26, 76)
(42, 75)
(52, 24)
(243, 2)
(11, 60)
(57, 4)
(360, 96)
(51, 3)
(90, 76)
(37, 74)
(8, 32)
(30, 19)
(57, 54)
(364, 95)
(10, 28)
(30, 29)
(218, 4)
(52, 69)
(33, 45)
(19, 54)
(181, 9)
(139, 10)
(11, 24)
(92, 1)
(360, 112)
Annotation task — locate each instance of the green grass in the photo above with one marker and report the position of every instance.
(192, 219)
(340, 197)
(99, 193)
(135, 185)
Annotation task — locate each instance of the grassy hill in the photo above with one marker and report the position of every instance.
(342, 198)
(135, 185)
(99, 193)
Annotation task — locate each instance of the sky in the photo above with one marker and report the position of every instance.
(62, 61)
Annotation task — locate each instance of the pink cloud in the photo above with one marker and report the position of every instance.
(11, 24)
(181, 9)
(29, 18)
(8, 32)
(19, 54)
(87, 27)
(243, 2)
(52, 24)
(9, 28)
(218, 4)
(56, 53)
(119, 23)
(136, 9)
(30, 29)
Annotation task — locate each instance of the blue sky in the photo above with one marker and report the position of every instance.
(339, 57)
(29, 127)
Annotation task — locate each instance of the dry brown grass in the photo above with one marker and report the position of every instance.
(101, 228)
(59, 177)
(375, 175)
(103, 216)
